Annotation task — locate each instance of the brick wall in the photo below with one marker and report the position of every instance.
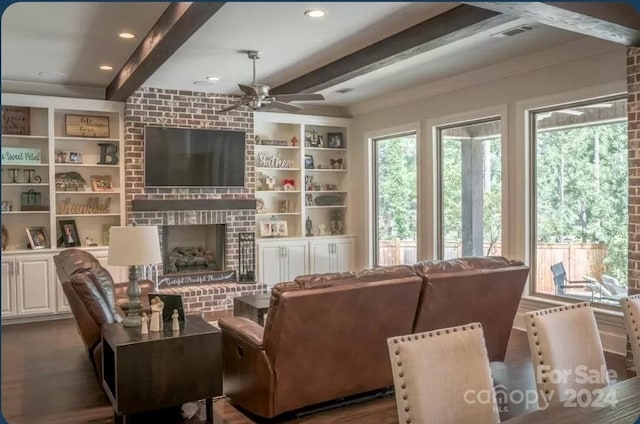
(186, 109)
(633, 104)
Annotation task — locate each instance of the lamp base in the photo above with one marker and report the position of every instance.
(132, 321)
(133, 293)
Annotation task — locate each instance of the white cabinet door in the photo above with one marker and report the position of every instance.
(62, 304)
(35, 285)
(320, 257)
(295, 260)
(344, 254)
(8, 289)
(270, 263)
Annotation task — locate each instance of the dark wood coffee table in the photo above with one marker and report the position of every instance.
(146, 372)
(252, 307)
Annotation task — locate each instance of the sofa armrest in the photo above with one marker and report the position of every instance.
(243, 328)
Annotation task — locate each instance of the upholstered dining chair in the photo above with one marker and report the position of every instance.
(631, 309)
(443, 377)
(565, 346)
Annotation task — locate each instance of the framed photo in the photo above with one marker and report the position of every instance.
(86, 126)
(309, 200)
(265, 229)
(101, 183)
(37, 237)
(75, 157)
(282, 230)
(69, 233)
(308, 162)
(335, 140)
(68, 157)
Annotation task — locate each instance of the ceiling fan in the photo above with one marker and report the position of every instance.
(257, 96)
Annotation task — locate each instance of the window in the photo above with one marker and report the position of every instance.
(470, 189)
(579, 219)
(395, 209)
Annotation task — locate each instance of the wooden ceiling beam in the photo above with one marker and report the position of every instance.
(454, 25)
(616, 22)
(175, 26)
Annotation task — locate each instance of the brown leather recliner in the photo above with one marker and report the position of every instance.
(325, 335)
(325, 338)
(91, 294)
(476, 289)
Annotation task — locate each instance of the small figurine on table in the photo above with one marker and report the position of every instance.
(144, 329)
(175, 325)
(156, 314)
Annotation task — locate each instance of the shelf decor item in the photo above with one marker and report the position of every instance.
(91, 207)
(308, 162)
(101, 183)
(108, 154)
(7, 206)
(273, 161)
(37, 237)
(247, 257)
(30, 176)
(32, 201)
(21, 156)
(15, 120)
(86, 126)
(5, 237)
(69, 230)
(70, 181)
(335, 140)
(308, 225)
(133, 247)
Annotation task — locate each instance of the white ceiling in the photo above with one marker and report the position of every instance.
(75, 38)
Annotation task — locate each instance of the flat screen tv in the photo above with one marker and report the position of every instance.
(190, 157)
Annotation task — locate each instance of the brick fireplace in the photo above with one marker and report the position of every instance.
(233, 207)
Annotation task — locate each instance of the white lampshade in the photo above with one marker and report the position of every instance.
(138, 245)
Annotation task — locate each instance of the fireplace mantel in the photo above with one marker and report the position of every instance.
(156, 205)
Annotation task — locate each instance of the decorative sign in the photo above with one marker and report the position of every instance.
(86, 126)
(15, 120)
(273, 161)
(20, 156)
(176, 280)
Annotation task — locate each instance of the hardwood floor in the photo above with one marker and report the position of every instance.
(47, 379)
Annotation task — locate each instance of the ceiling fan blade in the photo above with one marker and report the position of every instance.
(248, 90)
(298, 97)
(284, 106)
(236, 106)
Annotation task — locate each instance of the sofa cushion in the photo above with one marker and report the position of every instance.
(311, 281)
(385, 273)
(464, 264)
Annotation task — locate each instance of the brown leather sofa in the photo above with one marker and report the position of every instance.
(91, 294)
(325, 335)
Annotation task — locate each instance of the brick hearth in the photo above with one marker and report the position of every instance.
(209, 298)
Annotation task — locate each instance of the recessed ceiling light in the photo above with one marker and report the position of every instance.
(106, 67)
(52, 74)
(213, 79)
(315, 13)
(127, 35)
(204, 83)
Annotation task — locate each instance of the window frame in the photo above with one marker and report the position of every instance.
(374, 189)
(531, 141)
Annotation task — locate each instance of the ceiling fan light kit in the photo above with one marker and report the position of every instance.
(257, 96)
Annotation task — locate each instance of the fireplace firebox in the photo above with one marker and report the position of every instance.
(193, 248)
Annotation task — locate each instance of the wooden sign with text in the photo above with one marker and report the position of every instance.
(86, 126)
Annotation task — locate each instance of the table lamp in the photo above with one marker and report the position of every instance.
(132, 247)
